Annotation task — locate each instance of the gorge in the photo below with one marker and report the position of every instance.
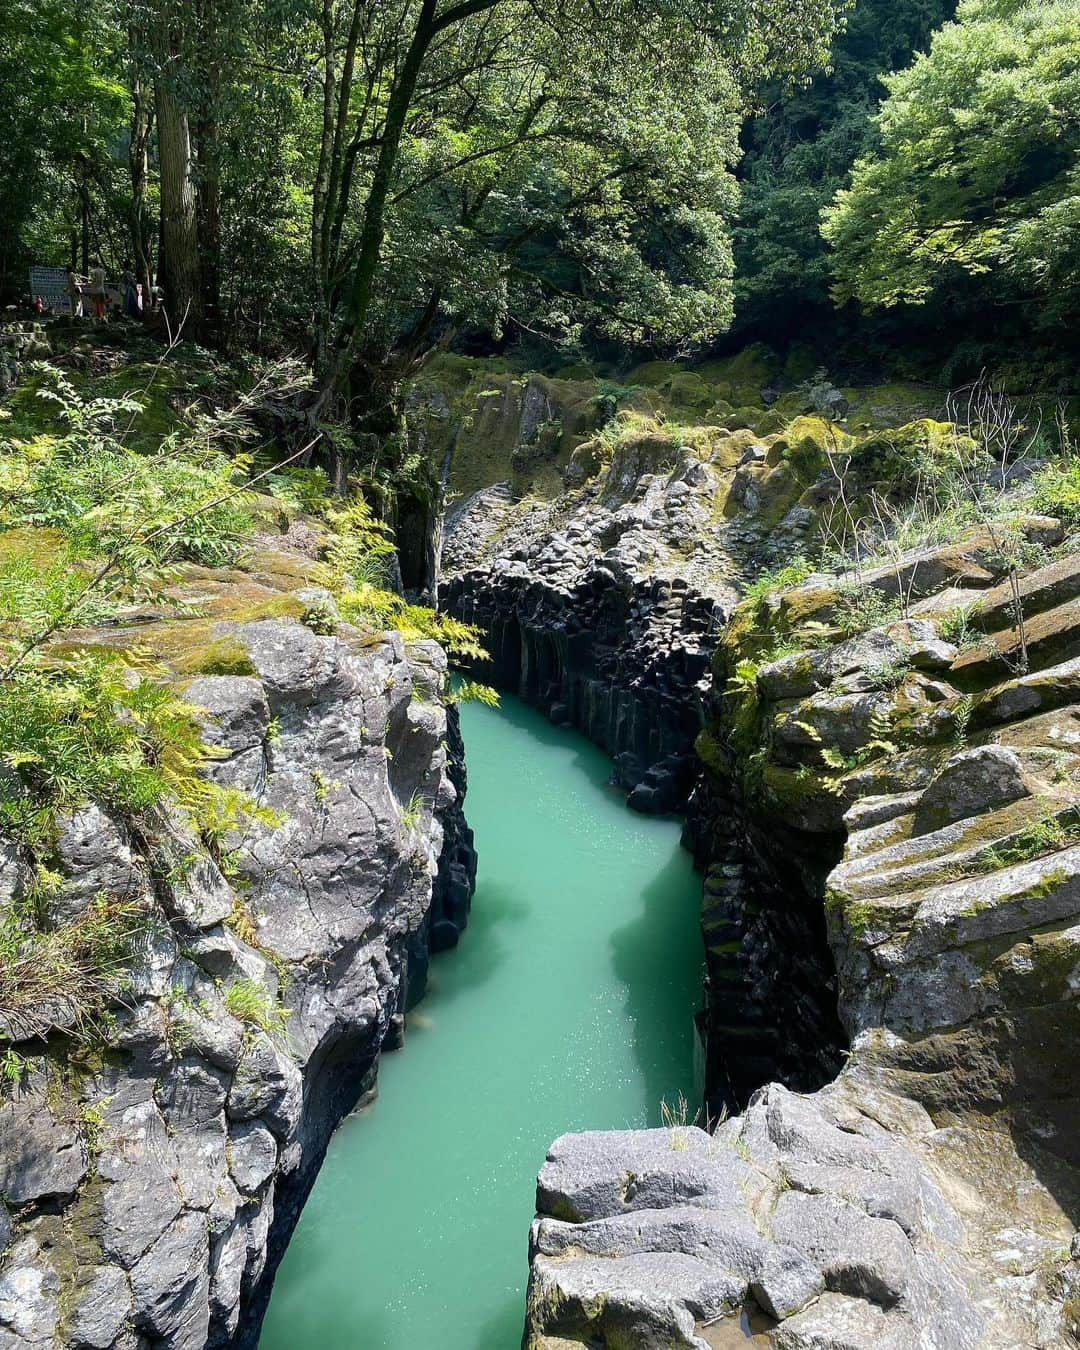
(539, 674)
(881, 810)
(568, 1003)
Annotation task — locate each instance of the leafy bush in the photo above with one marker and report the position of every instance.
(1056, 490)
(179, 504)
(89, 729)
(468, 691)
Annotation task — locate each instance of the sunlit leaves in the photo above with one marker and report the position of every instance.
(978, 164)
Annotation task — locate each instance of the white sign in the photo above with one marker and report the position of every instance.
(51, 283)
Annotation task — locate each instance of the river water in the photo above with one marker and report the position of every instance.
(567, 1006)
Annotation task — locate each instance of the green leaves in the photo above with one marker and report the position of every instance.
(978, 166)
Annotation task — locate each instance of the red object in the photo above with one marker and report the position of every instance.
(39, 304)
(99, 306)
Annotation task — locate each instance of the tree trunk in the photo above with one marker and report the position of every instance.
(208, 200)
(362, 285)
(179, 263)
(142, 116)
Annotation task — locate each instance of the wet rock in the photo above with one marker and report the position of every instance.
(183, 1115)
(40, 1156)
(94, 859)
(170, 1285)
(29, 1298)
(236, 707)
(253, 1156)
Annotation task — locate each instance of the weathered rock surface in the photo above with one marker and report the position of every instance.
(152, 1194)
(602, 611)
(886, 824)
(808, 1209)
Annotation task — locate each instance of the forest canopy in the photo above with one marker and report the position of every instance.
(366, 182)
(372, 175)
(977, 170)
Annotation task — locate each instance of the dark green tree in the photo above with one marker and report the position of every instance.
(978, 170)
(800, 149)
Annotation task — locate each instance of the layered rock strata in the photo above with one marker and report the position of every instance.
(150, 1184)
(928, 1196)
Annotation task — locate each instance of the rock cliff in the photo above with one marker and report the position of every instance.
(151, 1181)
(885, 806)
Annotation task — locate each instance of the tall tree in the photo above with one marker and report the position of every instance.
(142, 120)
(456, 137)
(180, 263)
(979, 169)
(801, 146)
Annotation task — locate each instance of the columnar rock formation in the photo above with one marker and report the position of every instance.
(887, 821)
(149, 1187)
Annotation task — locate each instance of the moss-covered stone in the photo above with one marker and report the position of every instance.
(223, 656)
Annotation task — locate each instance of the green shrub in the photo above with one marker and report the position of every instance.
(250, 1002)
(469, 691)
(1056, 490)
(89, 729)
(104, 496)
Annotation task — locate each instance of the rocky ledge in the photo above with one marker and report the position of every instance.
(920, 776)
(150, 1185)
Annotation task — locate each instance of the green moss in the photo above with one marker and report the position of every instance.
(898, 456)
(223, 656)
(711, 752)
(806, 441)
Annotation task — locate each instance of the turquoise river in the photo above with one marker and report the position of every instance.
(567, 1006)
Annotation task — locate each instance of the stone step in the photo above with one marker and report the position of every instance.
(1044, 589)
(1041, 691)
(1052, 636)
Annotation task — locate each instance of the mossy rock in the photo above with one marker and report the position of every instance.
(579, 372)
(741, 419)
(801, 800)
(521, 428)
(41, 547)
(751, 368)
(587, 460)
(639, 451)
(897, 456)
(711, 753)
(655, 374)
(805, 441)
(891, 405)
(226, 655)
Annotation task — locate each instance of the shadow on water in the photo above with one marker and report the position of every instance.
(503, 1332)
(657, 956)
(487, 942)
(567, 1005)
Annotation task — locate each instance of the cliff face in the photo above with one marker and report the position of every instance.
(620, 653)
(885, 797)
(150, 1186)
(928, 1196)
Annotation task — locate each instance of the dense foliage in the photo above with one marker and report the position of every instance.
(388, 174)
(978, 170)
(800, 149)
